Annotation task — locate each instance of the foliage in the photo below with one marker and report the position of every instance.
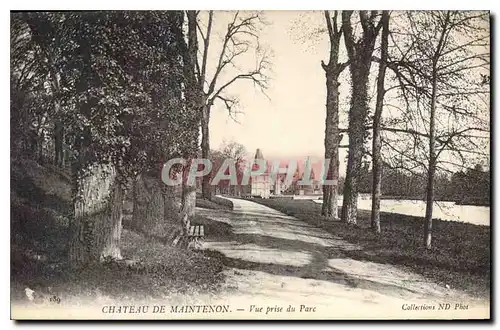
(108, 85)
(120, 82)
(233, 151)
(29, 99)
(469, 186)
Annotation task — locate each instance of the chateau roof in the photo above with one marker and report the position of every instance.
(258, 154)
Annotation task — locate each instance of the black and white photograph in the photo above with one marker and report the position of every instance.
(250, 165)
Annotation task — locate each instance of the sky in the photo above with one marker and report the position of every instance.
(291, 122)
(288, 122)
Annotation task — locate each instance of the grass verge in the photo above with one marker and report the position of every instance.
(217, 203)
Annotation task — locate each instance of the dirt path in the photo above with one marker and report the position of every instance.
(277, 260)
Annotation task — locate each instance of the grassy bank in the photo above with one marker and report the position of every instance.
(217, 203)
(40, 215)
(460, 256)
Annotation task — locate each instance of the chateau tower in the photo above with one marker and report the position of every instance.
(260, 186)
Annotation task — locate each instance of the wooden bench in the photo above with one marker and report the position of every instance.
(197, 231)
(196, 234)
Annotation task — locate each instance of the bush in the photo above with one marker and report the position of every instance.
(217, 203)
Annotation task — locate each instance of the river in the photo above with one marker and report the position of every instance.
(478, 215)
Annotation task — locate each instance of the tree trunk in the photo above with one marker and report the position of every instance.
(356, 130)
(432, 165)
(194, 92)
(58, 142)
(377, 181)
(206, 189)
(58, 125)
(112, 244)
(330, 200)
(188, 206)
(38, 144)
(360, 57)
(151, 202)
(173, 216)
(171, 203)
(428, 207)
(432, 138)
(332, 138)
(377, 142)
(98, 207)
(326, 208)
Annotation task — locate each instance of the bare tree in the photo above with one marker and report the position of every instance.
(241, 36)
(360, 58)
(193, 99)
(441, 61)
(333, 69)
(237, 152)
(377, 142)
(234, 150)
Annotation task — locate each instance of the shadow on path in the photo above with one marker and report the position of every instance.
(285, 246)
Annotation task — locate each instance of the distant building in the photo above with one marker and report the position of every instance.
(279, 186)
(314, 187)
(298, 188)
(274, 184)
(260, 186)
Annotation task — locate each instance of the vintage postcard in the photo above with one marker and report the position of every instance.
(251, 165)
